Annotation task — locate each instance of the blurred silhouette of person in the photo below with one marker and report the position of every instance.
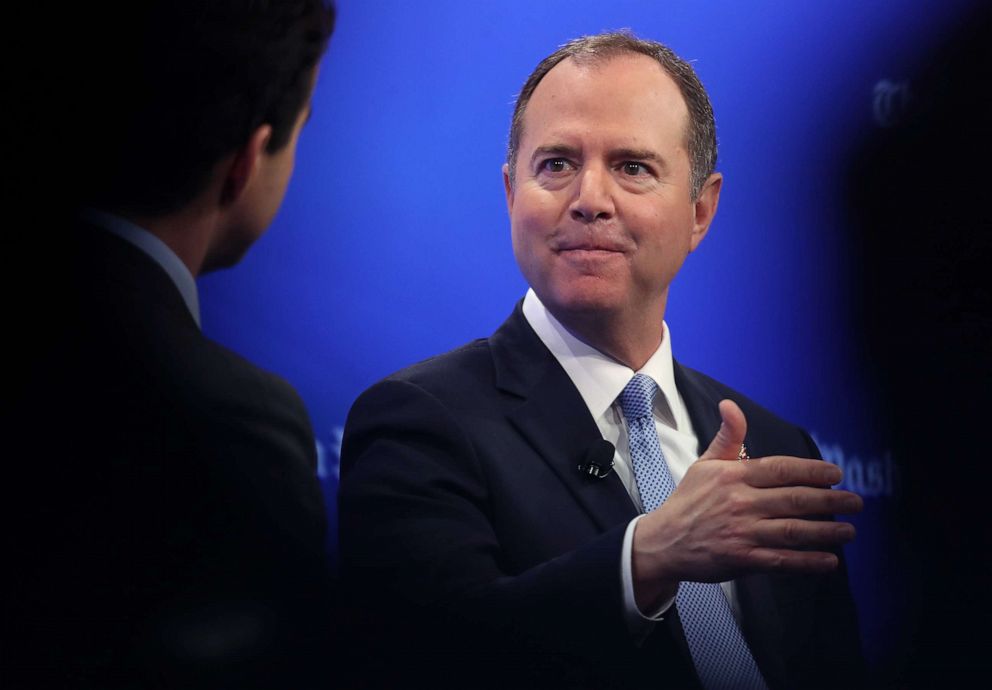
(170, 530)
(922, 224)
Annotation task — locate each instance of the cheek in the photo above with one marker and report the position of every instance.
(530, 249)
(518, 237)
(530, 226)
(537, 207)
(665, 227)
(662, 246)
(526, 250)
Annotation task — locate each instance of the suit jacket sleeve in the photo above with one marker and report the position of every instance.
(416, 538)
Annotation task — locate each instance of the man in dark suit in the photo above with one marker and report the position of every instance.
(538, 509)
(172, 530)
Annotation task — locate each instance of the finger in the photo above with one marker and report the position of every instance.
(792, 533)
(729, 439)
(788, 561)
(783, 470)
(796, 501)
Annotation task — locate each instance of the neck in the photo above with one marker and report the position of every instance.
(187, 232)
(629, 341)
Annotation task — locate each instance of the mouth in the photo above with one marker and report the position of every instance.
(590, 243)
(603, 244)
(589, 249)
(590, 260)
(590, 252)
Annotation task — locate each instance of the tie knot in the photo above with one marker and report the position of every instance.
(637, 397)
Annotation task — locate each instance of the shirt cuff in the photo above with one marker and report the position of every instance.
(639, 625)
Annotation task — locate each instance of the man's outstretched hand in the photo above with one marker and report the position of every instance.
(727, 518)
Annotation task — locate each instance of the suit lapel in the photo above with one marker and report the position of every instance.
(554, 419)
(702, 406)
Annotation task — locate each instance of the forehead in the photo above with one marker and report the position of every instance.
(629, 96)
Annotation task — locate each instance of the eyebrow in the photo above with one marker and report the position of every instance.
(637, 155)
(615, 154)
(554, 150)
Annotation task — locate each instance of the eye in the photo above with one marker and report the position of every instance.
(556, 165)
(635, 169)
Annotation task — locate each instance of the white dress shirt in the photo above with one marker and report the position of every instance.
(600, 380)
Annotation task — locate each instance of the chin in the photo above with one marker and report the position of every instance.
(230, 248)
(224, 257)
(585, 303)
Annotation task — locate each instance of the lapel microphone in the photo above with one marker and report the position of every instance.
(598, 461)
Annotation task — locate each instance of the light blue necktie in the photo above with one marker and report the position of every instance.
(719, 652)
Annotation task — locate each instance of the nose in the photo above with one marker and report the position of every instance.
(593, 196)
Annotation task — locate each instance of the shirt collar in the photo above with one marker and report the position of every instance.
(599, 378)
(155, 248)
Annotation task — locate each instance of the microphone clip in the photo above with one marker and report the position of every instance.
(598, 461)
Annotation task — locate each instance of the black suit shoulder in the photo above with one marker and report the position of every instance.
(452, 375)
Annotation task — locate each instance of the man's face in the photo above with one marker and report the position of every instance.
(600, 207)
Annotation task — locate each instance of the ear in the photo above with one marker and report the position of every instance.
(507, 187)
(705, 208)
(244, 165)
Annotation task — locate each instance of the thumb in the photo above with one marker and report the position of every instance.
(728, 440)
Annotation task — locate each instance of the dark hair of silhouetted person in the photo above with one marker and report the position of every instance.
(155, 93)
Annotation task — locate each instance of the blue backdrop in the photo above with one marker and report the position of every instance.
(393, 241)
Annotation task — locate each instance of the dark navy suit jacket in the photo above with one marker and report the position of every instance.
(172, 530)
(477, 554)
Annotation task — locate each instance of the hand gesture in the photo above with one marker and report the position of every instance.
(727, 518)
